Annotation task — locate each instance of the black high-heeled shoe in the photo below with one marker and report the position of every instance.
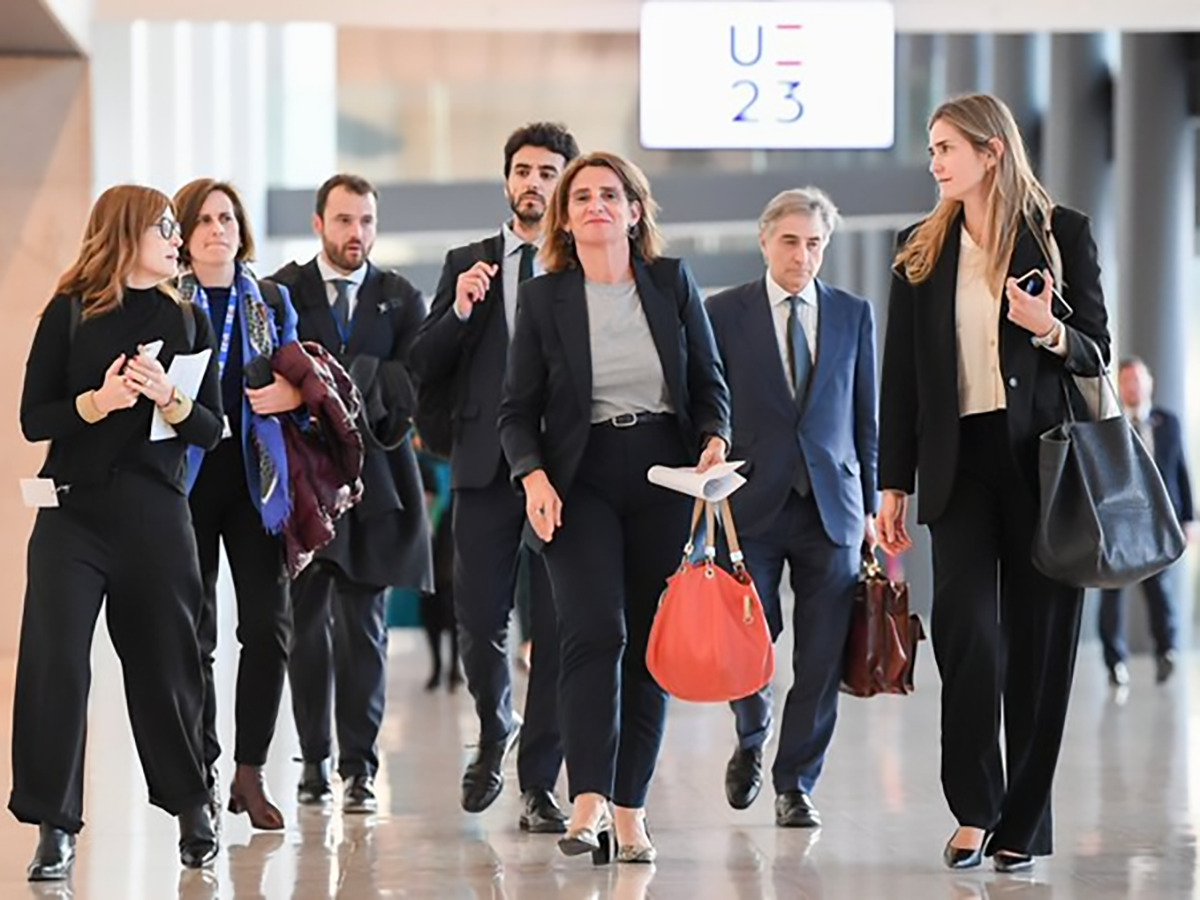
(1008, 861)
(963, 857)
(598, 840)
(55, 855)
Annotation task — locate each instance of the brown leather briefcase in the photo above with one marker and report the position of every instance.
(881, 647)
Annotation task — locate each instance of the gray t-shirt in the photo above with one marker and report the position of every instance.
(627, 374)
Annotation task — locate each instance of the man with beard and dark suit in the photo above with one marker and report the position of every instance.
(367, 317)
(1161, 432)
(463, 346)
(799, 357)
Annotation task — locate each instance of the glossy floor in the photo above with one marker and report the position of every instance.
(1127, 800)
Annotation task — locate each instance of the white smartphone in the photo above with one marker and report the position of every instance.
(150, 350)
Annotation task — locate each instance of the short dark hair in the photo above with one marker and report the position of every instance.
(1130, 361)
(355, 184)
(553, 136)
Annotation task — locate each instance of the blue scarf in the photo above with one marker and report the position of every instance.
(263, 447)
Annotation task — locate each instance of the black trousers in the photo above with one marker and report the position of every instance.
(1005, 638)
(338, 665)
(487, 543)
(823, 576)
(223, 512)
(621, 537)
(128, 543)
(1162, 619)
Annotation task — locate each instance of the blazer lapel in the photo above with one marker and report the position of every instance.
(758, 325)
(313, 306)
(831, 330)
(662, 315)
(571, 320)
(367, 309)
(1027, 254)
(939, 297)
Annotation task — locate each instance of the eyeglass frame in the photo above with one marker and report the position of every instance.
(168, 228)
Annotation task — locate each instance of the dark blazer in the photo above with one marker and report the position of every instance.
(473, 354)
(545, 413)
(1172, 463)
(836, 423)
(384, 540)
(918, 412)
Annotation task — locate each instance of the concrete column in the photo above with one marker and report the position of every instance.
(1156, 143)
(962, 54)
(1014, 80)
(915, 95)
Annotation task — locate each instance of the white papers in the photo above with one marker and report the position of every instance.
(714, 485)
(186, 372)
(39, 493)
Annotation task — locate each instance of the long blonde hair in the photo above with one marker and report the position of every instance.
(1014, 195)
(647, 241)
(109, 253)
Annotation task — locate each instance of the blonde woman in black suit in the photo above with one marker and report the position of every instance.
(612, 369)
(972, 374)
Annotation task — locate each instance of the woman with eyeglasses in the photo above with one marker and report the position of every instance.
(239, 491)
(114, 528)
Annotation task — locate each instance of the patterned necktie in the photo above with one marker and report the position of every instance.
(525, 268)
(341, 307)
(801, 366)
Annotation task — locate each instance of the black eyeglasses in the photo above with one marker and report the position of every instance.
(168, 228)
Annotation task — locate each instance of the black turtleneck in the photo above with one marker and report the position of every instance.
(60, 368)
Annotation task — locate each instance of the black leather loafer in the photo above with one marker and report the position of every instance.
(359, 796)
(962, 857)
(314, 789)
(483, 779)
(541, 814)
(744, 777)
(55, 855)
(198, 842)
(795, 809)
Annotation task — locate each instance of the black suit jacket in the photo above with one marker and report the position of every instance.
(1171, 461)
(473, 355)
(384, 540)
(918, 409)
(545, 413)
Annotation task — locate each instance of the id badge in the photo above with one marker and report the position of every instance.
(39, 493)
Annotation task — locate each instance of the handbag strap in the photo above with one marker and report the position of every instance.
(736, 556)
(690, 546)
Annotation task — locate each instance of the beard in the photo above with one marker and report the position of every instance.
(342, 258)
(528, 214)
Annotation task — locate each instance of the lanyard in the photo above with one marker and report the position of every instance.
(227, 332)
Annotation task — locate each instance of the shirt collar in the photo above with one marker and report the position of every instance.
(514, 242)
(778, 295)
(329, 273)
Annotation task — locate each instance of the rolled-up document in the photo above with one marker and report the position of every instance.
(714, 485)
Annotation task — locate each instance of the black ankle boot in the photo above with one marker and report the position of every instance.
(198, 843)
(55, 855)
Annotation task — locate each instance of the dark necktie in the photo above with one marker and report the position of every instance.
(525, 268)
(341, 307)
(801, 366)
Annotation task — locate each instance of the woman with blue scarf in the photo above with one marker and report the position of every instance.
(239, 491)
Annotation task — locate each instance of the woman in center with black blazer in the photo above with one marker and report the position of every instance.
(612, 369)
(974, 369)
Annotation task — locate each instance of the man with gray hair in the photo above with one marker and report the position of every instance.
(799, 357)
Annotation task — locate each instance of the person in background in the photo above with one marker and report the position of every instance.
(115, 531)
(1161, 432)
(366, 317)
(612, 369)
(239, 491)
(973, 370)
(464, 345)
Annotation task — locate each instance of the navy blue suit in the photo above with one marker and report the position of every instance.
(819, 535)
(1172, 464)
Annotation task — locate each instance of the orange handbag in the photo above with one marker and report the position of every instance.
(710, 642)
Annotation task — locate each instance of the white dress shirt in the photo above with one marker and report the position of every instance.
(329, 275)
(781, 311)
